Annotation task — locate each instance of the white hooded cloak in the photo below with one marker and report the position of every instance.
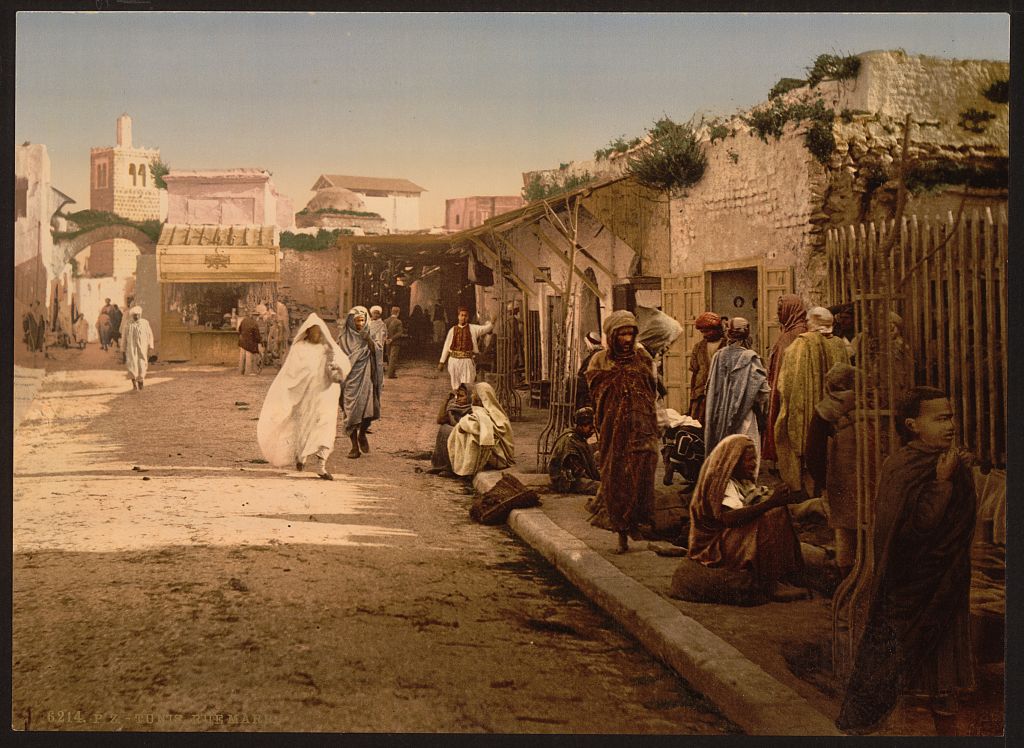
(300, 413)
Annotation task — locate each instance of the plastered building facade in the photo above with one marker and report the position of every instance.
(120, 182)
(227, 197)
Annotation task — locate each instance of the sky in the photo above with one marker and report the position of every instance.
(460, 104)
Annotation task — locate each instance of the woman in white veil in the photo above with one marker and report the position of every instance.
(483, 438)
(299, 418)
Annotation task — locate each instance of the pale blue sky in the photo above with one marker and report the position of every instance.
(461, 104)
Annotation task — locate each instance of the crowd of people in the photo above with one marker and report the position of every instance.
(797, 416)
(758, 446)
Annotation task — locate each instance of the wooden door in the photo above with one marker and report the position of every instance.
(775, 282)
(673, 366)
(683, 300)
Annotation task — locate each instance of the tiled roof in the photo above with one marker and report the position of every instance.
(382, 184)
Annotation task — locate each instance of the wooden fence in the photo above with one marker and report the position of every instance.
(947, 281)
(930, 309)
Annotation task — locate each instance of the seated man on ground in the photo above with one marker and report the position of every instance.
(572, 466)
(738, 525)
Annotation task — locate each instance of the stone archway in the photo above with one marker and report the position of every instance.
(144, 284)
(71, 247)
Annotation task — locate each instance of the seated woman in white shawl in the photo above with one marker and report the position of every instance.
(483, 438)
(299, 418)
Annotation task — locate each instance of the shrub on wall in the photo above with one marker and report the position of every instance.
(158, 170)
(337, 211)
(771, 121)
(785, 85)
(538, 189)
(324, 239)
(87, 220)
(928, 175)
(832, 67)
(975, 120)
(998, 92)
(672, 159)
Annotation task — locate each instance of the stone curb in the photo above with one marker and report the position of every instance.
(742, 690)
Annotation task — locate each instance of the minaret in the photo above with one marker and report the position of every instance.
(124, 131)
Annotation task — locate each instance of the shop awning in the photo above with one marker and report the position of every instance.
(217, 254)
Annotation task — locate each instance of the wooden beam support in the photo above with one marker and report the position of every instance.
(596, 218)
(499, 269)
(539, 233)
(529, 262)
(586, 253)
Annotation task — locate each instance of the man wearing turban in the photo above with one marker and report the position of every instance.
(622, 384)
(709, 325)
(801, 387)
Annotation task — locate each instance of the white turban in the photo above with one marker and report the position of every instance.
(819, 319)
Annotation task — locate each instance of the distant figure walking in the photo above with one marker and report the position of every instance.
(299, 418)
(248, 343)
(81, 331)
(137, 344)
(104, 327)
(35, 328)
(361, 395)
(116, 317)
(396, 337)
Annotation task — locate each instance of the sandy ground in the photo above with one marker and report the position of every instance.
(166, 579)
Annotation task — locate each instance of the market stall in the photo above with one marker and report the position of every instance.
(210, 276)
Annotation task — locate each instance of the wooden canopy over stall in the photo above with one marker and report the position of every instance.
(207, 272)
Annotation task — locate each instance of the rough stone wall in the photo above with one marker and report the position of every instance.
(934, 92)
(757, 202)
(303, 272)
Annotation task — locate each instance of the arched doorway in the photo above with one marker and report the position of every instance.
(106, 262)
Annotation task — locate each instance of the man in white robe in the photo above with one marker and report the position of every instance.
(138, 340)
(299, 418)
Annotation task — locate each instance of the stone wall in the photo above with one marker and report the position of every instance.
(756, 203)
(302, 273)
(773, 201)
(934, 92)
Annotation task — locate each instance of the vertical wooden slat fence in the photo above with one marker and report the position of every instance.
(946, 279)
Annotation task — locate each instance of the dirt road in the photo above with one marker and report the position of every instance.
(165, 579)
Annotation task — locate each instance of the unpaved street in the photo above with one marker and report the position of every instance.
(165, 579)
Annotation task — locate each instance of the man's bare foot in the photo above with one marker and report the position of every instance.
(623, 546)
(786, 593)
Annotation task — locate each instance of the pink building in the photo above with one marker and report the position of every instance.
(227, 197)
(469, 212)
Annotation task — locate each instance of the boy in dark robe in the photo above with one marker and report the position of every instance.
(916, 640)
(622, 384)
(571, 465)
